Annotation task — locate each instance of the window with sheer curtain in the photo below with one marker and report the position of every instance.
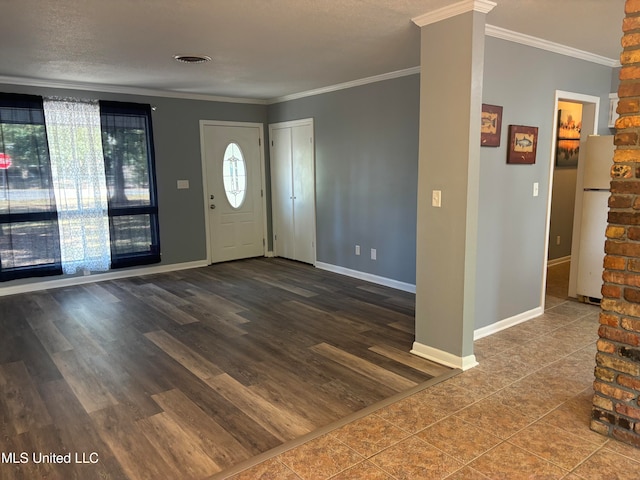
(77, 171)
(77, 186)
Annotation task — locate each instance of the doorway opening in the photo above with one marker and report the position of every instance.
(564, 207)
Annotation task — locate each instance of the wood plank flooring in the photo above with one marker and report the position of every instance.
(184, 374)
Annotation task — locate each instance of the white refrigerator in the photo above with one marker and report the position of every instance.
(598, 160)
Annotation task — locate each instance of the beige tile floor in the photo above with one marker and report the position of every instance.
(523, 413)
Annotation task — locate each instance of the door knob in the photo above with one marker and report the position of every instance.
(212, 206)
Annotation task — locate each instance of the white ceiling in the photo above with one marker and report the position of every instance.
(261, 49)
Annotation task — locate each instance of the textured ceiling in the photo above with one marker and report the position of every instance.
(261, 49)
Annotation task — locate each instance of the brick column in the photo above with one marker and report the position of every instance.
(616, 407)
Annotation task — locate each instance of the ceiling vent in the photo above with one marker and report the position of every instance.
(192, 58)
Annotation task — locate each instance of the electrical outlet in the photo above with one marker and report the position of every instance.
(373, 254)
(357, 249)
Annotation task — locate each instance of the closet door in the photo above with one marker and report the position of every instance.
(304, 197)
(293, 190)
(282, 192)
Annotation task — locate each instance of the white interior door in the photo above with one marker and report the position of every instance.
(282, 192)
(233, 173)
(293, 190)
(303, 193)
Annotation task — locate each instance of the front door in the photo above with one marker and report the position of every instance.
(233, 172)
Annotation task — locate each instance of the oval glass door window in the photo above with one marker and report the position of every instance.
(234, 175)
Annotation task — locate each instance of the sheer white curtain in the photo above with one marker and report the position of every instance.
(77, 168)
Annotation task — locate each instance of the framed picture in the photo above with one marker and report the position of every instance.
(569, 128)
(522, 144)
(491, 125)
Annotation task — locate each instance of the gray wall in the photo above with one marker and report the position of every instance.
(176, 128)
(615, 79)
(563, 199)
(451, 56)
(511, 237)
(366, 174)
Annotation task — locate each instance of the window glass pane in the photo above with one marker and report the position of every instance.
(29, 237)
(25, 173)
(131, 234)
(126, 158)
(28, 244)
(127, 140)
(234, 175)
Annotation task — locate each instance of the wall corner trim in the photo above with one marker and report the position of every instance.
(482, 6)
(444, 358)
(367, 277)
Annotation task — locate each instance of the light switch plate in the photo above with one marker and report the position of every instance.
(436, 198)
(183, 184)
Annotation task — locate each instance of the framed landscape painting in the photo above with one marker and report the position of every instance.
(569, 131)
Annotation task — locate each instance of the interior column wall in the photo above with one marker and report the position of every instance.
(452, 56)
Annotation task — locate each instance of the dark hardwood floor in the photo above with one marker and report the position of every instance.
(181, 375)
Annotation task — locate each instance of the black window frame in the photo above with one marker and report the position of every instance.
(32, 103)
(111, 108)
(120, 259)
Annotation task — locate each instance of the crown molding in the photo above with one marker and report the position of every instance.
(461, 7)
(342, 86)
(482, 6)
(94, 87)
(523, 39)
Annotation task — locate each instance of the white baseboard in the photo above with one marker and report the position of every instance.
(558, 261)
(444, 358)
(98, 277)
(367, 277)
(507, 322)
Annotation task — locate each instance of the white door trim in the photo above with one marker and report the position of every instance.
(589, 126)
(205, 188)
(292, 123)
